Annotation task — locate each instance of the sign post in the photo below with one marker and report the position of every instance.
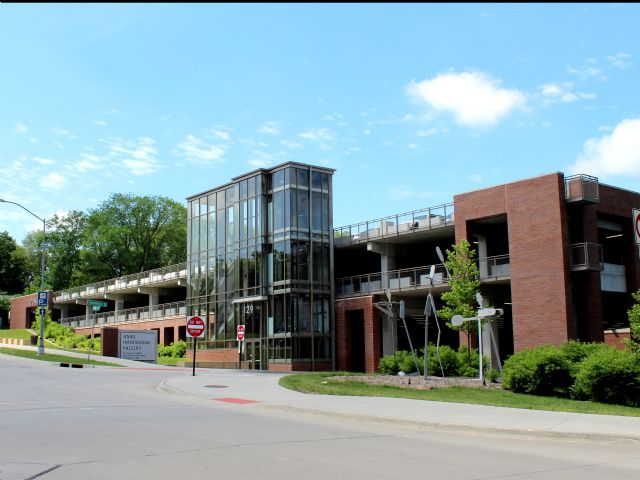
(195, 330)
(97, 305)
(240, 339)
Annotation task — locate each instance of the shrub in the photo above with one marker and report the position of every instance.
(177, 349)
(453, 363)
(576, 351)
(543, 370)
(493, 375)
(609, 375)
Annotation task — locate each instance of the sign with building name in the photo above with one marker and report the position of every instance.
(141, 345)
(636, 225)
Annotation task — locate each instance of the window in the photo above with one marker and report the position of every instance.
(278, 179)
(278, 211)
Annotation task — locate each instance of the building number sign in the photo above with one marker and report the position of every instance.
(248, 308)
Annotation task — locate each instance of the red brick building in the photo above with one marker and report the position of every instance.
(557, 254)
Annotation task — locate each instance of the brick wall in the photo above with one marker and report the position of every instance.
(538, 248)
(371, 333)
(20, 311)
(109, 342)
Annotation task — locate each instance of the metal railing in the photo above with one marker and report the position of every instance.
(130, 315)
(413, 278)
(586, 256)
(394, 225)
(581, 188)
(142, 279)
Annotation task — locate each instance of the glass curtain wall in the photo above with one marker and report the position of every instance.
(259, 255)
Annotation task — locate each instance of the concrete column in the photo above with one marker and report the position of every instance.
(482, 253)
(64, 311)
(387, 254)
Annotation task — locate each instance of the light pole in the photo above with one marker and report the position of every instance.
(44, 233)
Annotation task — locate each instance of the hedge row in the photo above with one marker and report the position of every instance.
(65, 336)
(583, 371)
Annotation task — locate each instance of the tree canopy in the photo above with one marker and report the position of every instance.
(13, 268)
(125, 234)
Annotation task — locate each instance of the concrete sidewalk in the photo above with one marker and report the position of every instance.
(263, 389)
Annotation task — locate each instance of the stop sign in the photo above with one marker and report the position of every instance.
(195, 327)
(240, 333)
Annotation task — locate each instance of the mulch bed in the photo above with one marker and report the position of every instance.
(417, 382)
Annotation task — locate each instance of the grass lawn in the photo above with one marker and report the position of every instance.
(25, 335)
(322, 383)
(49, 357)
(171, 361)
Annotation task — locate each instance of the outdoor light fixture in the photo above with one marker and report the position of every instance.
(42, 312)
(614, 236)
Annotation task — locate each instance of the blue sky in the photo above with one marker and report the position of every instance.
(410, 103)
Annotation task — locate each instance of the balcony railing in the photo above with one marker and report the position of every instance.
(581, 188)
(142, 279)
(394, 225)
(586, 256)
(413, 278)
(130, 315)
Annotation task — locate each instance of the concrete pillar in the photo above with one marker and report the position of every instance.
(482, 253)
(64, 311)
(387, 254)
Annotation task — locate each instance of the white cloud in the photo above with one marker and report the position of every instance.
(403, 192)
(62, 132)
(52, 181)
(44, 161)
(367, 132)
(476, 178)
(270, 128)
(137, 156)
(318, 135)
(432, 131)
(563, 93)
(412, 146)
(617, 153)
(100, 123)
(587, 72)
(290, 144)
(620, 60)
(473, 98)
(20, 128)
(261, 159)
(196, 150)
(88, 162)
(221, 134)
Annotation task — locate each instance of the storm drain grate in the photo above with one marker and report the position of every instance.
(216, 386)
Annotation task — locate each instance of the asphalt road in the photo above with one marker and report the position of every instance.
(110, 423)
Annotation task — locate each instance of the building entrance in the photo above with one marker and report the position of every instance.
(250, 314)
(252, 355)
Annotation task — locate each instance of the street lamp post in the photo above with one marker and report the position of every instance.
(42, 310)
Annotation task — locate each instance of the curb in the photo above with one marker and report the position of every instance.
(433, 426)
(461, 427)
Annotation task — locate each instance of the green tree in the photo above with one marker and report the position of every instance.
(129, 234)
(32, 248)
(64, 245)
(464, 283)
(634, 323)
(13, 269)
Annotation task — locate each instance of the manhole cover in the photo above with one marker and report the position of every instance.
(216, 386)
